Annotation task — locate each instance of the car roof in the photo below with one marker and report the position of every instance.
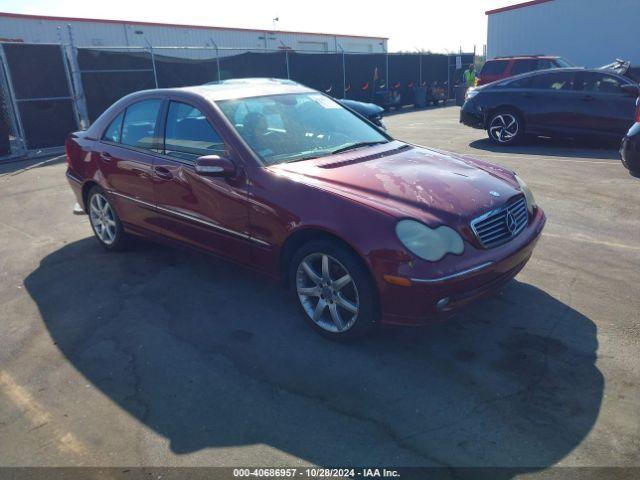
(526, 57)
(244, 88)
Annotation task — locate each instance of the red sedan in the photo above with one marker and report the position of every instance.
(284, 180)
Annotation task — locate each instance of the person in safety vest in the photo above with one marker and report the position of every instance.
(469, 76)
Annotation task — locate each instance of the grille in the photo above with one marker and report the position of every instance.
(500, 226)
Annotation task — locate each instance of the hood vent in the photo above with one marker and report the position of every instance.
(374, 156)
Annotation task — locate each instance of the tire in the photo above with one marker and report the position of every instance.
(105, 222)
(345, 308)
(505, 128)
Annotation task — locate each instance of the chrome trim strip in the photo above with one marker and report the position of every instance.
(193, 219)
(133, 199)
(453, 275)
(71, 176)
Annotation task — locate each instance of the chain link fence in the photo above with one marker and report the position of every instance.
(47, 91)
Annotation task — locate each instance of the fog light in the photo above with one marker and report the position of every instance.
(443, 303)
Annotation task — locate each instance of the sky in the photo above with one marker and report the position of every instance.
(435, 25)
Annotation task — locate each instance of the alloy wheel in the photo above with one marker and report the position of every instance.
(504, 128)
(103, 219)
(327, 292)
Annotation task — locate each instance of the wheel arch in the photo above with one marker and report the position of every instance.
(303, 235)
(505, 107)
(86, 188)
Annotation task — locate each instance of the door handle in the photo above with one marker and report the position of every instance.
(106, 156)
(588, 98)
(163, 173)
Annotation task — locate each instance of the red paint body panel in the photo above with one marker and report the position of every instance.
(356, 196)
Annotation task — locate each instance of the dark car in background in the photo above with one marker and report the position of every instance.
(370, 111)
(630, 148)
(567, 102)
(504, 67)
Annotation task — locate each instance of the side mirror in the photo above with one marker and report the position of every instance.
(631, 90)
(215, 166)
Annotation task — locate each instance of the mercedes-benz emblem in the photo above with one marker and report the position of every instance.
(493, 193)
(512, 225)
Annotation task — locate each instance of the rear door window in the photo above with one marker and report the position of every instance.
(494, 67)
(189, 135)
(139, 126)
(558, 81)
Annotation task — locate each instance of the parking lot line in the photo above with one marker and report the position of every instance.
(37, 415)
(584, 239)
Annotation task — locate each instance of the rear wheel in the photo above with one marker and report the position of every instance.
(334, 290)
(505, 128)
(105, 222)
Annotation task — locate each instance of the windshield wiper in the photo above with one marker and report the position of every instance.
(358, 145)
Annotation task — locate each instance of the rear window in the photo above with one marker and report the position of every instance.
(494, 67)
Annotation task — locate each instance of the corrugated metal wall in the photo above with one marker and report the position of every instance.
(589, 33)
(95, 34)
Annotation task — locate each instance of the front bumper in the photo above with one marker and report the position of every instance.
(432, 299)
(630, 151)
(470, 116)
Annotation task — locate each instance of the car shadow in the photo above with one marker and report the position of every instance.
(210, 355)
(555, 147)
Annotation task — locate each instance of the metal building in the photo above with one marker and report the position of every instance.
(88, 32)
(588, 33)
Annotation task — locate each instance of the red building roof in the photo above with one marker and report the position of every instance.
(153, 24)
(517, 6)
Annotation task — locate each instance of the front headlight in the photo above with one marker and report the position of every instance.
(528, 194)
(471, 92)
(429, 243)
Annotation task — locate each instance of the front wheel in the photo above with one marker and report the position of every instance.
(334, 290)
(505, 128)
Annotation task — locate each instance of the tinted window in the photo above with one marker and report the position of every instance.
(494, 67)
(138, 129)
(553, 81)
(600, 83)
(189, 135)
(112, 134)
(519, 83)
(524, 66)
(545, 64)
(562, 63)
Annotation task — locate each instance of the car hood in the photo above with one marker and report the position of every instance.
(409, 181)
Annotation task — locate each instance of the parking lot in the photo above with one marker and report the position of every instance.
(161, 357)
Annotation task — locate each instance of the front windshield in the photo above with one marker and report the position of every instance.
(291, 127)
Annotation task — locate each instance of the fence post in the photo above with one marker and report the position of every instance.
(286, 58)
(215, 45)
(74, 80)
(386, 60)
(153, 62)
(344, 72)
(12, 105)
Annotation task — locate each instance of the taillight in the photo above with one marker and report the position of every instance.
(638, 113)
